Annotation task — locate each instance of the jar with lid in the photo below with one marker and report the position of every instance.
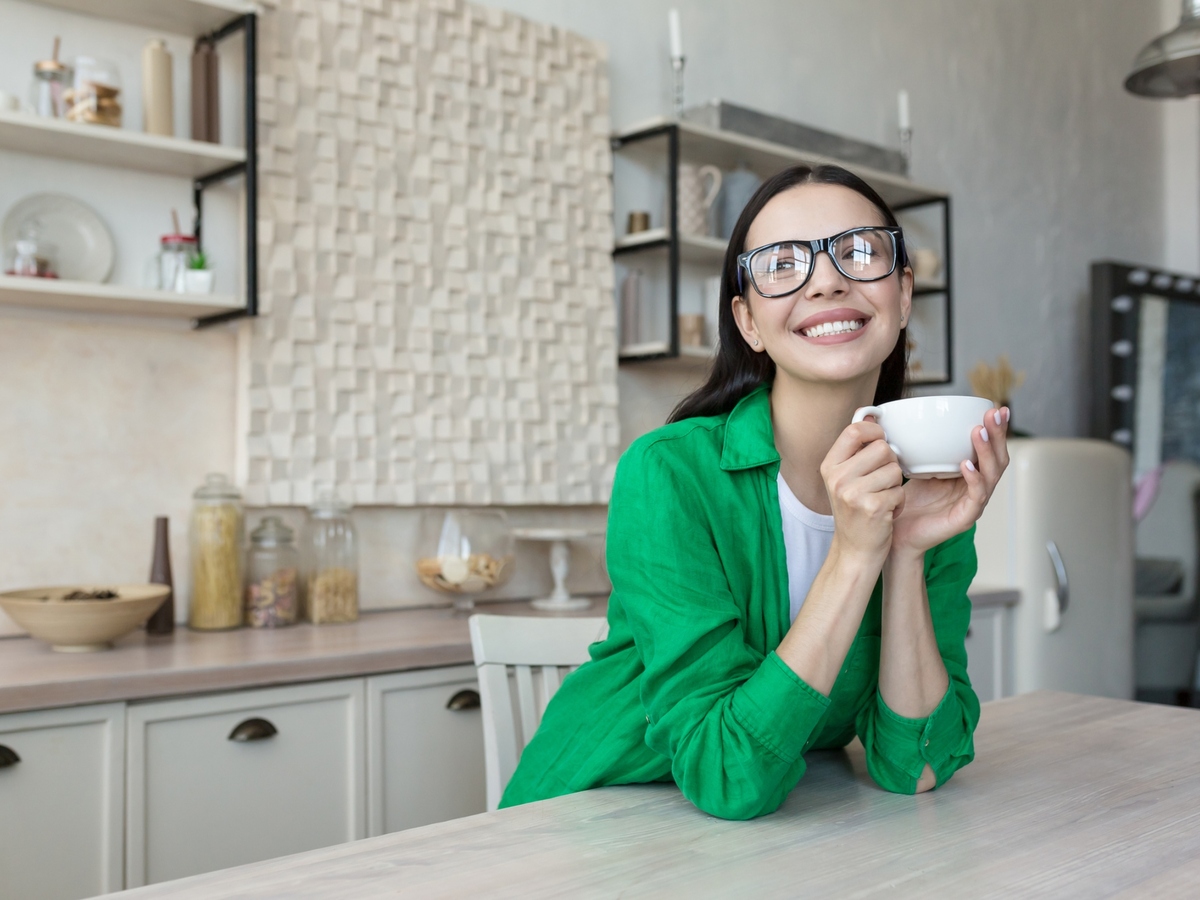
(331, 548)
(216, 551)
(48, 90)
(174, 258)
(272, 583)
(95, 98)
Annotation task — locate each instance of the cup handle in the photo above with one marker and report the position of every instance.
(863, 411)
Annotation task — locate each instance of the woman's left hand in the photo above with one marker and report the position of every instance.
(937, 509)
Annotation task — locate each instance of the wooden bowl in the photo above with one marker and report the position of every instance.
(81, 626)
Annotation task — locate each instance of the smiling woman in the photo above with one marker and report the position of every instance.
(777, 586)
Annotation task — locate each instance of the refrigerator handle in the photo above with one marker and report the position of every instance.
(1063, 587)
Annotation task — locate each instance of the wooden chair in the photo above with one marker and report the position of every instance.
(532, 655)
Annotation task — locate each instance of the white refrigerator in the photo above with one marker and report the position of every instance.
(1059, 528)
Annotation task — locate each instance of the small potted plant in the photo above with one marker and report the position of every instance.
(198, 279)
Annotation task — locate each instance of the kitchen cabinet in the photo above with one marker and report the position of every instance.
(62, 778)
(424, 748)
(233, 778)
(989, 653)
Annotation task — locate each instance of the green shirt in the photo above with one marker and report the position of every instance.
(687, 686)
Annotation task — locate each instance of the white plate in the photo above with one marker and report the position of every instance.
(82, 244)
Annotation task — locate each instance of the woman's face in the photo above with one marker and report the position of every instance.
(783, 326)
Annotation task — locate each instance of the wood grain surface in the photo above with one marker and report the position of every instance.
(32, 676)
(1069, 796)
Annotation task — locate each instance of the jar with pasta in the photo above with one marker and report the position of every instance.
(272, 576)
(331, 550)
(216, 556)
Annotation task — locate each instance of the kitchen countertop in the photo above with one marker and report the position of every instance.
(32, 676)
(1068, 796)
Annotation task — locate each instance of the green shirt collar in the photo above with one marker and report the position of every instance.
(749, 436)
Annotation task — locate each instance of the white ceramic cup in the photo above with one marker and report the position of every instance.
(931, 436)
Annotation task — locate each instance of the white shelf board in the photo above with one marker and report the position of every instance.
(697, 248)
(118, 147)
(697, 352)
(640, 238)
(648, 348)
(728, 148)
(110, 298)
(190, 17)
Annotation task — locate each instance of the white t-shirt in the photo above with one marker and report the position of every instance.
(807, 537)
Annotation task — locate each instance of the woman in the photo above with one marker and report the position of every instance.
(777, 587)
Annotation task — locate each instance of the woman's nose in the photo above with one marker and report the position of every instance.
(826, 280)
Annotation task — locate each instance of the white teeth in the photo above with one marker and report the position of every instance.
(833, 328)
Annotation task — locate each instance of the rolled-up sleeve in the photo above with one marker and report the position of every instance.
(899, 748)
(733, 722)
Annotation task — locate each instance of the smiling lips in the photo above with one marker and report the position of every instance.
(833, 326)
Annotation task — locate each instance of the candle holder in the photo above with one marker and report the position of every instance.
(677, 63)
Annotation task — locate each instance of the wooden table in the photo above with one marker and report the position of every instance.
(1069, 796)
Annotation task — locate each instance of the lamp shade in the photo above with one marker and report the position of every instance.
(1169, 66)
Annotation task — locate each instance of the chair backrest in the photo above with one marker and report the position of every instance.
(533, 655)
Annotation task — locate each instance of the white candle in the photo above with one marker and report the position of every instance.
(676, 35)
(903, 110)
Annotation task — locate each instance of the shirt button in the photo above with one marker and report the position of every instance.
(648, 721)
(926, 742)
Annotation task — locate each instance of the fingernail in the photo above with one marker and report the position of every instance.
(1007, 413)
(996, 416)
(971, 465)
(983, 434)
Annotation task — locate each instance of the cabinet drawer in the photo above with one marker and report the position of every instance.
(211, 788)
(425, 760)
(62, 802)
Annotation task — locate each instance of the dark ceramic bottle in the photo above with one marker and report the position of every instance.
(163, 620)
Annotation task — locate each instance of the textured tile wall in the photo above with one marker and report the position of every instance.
(435, 270)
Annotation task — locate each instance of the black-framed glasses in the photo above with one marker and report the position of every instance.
(861, 254)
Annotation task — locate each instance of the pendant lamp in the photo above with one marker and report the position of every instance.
(1169, 66)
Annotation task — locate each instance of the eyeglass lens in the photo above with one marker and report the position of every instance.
(860, 255)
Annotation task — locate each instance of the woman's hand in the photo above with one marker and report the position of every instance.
(936, 509)
(863, 480)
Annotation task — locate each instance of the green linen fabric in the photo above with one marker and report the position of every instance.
(687, 686)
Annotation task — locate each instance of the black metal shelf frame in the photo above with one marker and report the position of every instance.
(248, 25)
(672, 244)
(947, 285)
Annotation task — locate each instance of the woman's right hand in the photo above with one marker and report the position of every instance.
(863, 480)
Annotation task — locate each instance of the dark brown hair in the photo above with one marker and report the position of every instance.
(737, 370)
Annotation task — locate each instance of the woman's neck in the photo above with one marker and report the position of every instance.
(807, 418)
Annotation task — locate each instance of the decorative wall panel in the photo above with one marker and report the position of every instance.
(436, 279)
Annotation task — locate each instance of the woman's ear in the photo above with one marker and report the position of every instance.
(906, 289)
(745, 323)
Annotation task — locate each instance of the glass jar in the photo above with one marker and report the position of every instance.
(47, 92)
(95, 98)
(216, 550)
(464, 552)
(272, 583)
(331, 546)
(174, 258)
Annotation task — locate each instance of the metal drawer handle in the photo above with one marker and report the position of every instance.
(464, 699)
(8, 757)
(253, 730)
